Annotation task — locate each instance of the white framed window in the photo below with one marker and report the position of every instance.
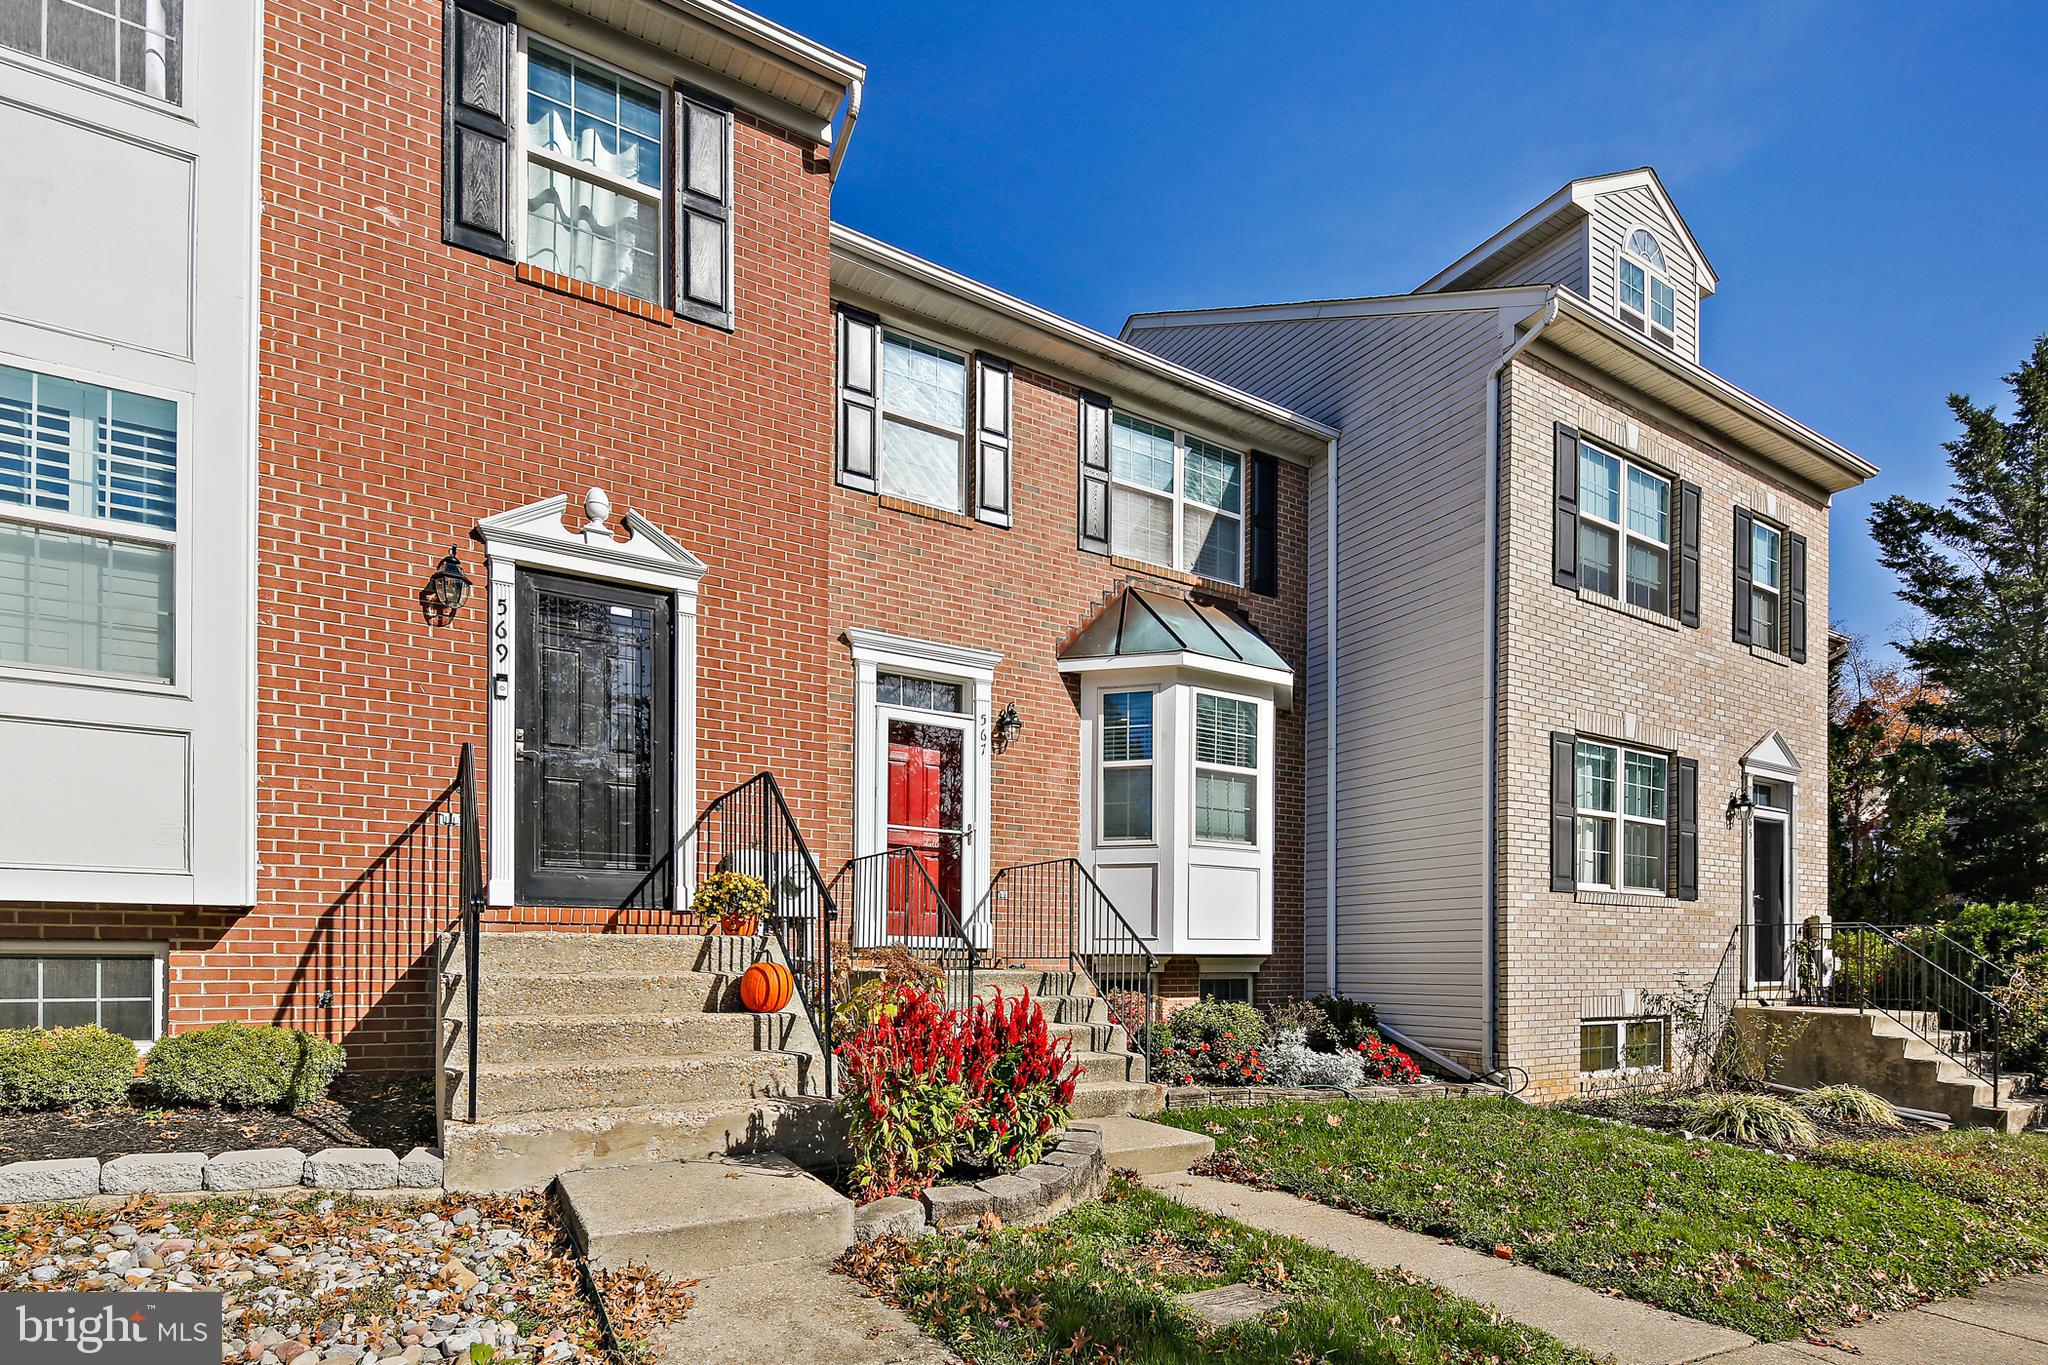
(1766, 585)
(1623, 1046)
(1226, 769)
(1623, 817)
(1624, 529)
(1127, 767)
(89, 513)
(923, 410)
(593, 167)
(138, 45)
(69, 986)
(1175, 500)
(1643, 295)
(1231, 988)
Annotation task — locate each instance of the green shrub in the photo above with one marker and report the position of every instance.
(1216, 1021)
(2005, 932)
(1744, 1116)
(1305, 1015)
(237, 1066)
(1850, 1104)
(64, 1068)
(1347, 1024)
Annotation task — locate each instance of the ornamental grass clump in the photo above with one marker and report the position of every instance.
(64, 1068)
(1753, 1119)
(926, 1087)
(242, 1066)
(1850, 1104)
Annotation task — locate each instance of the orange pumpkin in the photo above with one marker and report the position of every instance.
(766, 987)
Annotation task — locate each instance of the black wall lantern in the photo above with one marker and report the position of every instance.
(446, 589)
(1742, 803)
(1009, 725)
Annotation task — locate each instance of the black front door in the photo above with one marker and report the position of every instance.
(593, 738)
(1769, 938)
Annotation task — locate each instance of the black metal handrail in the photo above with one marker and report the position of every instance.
(1052, 915)
(895, 903)
(750, 829)
(1939, 990)
(471, 890)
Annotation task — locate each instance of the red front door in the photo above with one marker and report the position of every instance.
(926, 810)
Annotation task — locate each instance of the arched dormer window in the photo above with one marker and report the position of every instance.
(1643, 296)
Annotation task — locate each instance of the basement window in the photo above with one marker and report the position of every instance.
(1622, 1046)
(121, 993)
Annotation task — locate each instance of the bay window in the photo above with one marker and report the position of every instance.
(1623, 826)
(593, 174)
(1175, 500)
(1624, 530)
(1226, 769)
(1127, 767)
(88, 526)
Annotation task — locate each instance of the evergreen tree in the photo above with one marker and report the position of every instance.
(1976, 568)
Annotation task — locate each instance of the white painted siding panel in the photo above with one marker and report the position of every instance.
(1560, 261)
(1409, 394)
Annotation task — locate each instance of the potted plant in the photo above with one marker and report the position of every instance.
(730, 903)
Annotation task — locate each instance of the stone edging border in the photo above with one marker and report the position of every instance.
(262, 1168)
(1072, 1172)
(1251, 1096)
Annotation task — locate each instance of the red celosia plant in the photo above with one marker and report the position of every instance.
(1385, 1062)
(923, 1085)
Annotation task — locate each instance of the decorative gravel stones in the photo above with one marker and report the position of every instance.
(265, 1168)
(68, 1178)
(353, 1168)
(154, 1173)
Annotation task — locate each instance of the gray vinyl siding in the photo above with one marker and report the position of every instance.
(1615, 213)
(1562, 261)
(1314, 693)
(1408, 392)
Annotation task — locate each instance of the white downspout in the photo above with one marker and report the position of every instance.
(1495, 462)
(853, 94)
(1330, 724)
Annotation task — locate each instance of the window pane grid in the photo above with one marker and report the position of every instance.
(1622, 1045)
(924, 421)
(1176, 500)
(1127, 766)
(87, 450)
(1127, 727)
(136, 44)
(594, 174)
(1624, 530)
(116, 993)
(1621, 797)
(921, 694)
(1226, 732)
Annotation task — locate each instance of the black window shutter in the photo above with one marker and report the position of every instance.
(1745, 536)
(1094, 458)
(1685, 806)
(993, 400)
(859, 378)
(1564, 810)
(1795, 598)
(1688, 596)
(1262, 529)
(477, 40)
(1565, 544)
(701, 235)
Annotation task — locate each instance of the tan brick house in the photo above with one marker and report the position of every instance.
(1566, 727)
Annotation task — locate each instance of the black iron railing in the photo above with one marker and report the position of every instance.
(471, 892)
(1936, 988)
(749, 829)
(894, 902)
(1052, 916)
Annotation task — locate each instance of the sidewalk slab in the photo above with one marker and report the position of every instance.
(794, 1312)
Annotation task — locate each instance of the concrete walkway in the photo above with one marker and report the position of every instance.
(792, 1313)
(2006, 1324)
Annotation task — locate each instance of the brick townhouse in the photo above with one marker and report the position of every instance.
(543, 302)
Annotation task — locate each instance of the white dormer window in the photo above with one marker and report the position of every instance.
(1643, 294)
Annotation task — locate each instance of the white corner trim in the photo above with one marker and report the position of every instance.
(534, 537)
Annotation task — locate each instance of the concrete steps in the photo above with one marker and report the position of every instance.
(686, 1219)
(1110, 1066)
(625, 1082)
(1095, 1036)
(595, 1037)
(549, 994)
(1107, 1099)
(1148, 1148)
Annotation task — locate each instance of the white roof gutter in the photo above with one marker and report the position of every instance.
(853, 94)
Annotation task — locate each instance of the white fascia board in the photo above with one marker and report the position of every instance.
(773, 38)
(901, 651)
(1092, 355)
(1281, 681)
(1550, 208)
(1378, 305)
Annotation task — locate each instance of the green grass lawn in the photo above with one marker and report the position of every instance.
(1724, 1234)
(1100, 1283)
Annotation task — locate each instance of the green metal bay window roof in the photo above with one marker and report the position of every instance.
(1144, 628)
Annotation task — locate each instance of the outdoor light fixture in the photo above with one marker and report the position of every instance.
(1742, 803)
(449, 585)
(1009, 725)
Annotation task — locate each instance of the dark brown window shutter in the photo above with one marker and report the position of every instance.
(859, 382)
(477, 40)
(1687, 598)
(1564, 810)
(1685, 808)
(701, 234)
(1094, 465)
(1795, 598)
(1564, 552)
(1262, 526)
(1745, 544)
(994, 397)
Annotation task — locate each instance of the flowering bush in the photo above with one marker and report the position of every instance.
(1385, 1062)
(1227, 1061)
(730, 903)
(1291, 1061)
(924, 1086)
(1344, 1025)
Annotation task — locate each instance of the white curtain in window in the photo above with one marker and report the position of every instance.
(590, 233)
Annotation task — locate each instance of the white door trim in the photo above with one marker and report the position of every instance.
(876, 652)
(534, 537)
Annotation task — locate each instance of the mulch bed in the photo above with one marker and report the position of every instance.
(372, 1109)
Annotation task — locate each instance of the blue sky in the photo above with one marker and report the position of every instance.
(1868, 180)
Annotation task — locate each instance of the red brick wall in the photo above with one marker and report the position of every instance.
(1022, 591)
(409, 389)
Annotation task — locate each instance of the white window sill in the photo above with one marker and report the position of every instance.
(1770, 656)
(1601, 599)
(1594, 896)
